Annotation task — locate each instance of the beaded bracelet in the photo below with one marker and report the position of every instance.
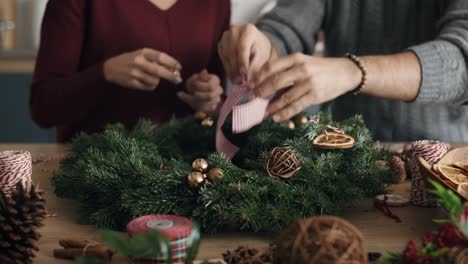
(363, 70)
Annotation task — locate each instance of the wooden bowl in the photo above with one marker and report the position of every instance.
(455, 155)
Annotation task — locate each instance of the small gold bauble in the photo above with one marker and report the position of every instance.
(301, 119)
(200, 115)
(207, 122)
(196, 179)
(291, 125)
(215, 174)
(200, 165)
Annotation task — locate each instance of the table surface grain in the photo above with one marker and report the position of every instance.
(381, 233)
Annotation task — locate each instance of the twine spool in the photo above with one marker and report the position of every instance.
(432, 152)
(322, 239)
(176, 229)
(15, 167)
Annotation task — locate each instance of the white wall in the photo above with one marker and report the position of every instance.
(248, 11)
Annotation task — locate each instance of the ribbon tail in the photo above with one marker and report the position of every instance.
(223, 145)
(246, 116)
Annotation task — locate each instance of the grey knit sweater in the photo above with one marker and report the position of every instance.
(436, 30)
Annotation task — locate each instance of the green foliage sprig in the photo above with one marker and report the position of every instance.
(116, 175)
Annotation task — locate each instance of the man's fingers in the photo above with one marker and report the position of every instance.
(244, 49)
(293, 109)
(162, 59)
(277, 66)
(291, 95)
(224, 51)
(281, 80)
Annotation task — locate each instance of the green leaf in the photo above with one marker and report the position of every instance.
(447, 199)
(116, 242)
(160, 244)
(193, 244)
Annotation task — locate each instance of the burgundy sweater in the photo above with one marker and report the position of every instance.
(69, 90)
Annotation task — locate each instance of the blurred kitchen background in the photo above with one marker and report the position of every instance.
(20, 22)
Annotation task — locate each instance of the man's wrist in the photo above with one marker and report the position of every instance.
(352, 74)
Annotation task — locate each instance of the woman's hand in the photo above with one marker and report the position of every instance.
(304, 81)
(243, 48)
(142, 69)
(204, 92)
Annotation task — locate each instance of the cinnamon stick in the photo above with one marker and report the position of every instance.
(101, 252)
(73, 243)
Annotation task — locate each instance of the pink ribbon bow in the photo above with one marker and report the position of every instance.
(244, 117)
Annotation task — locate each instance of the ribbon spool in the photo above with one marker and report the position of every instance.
(15, 167)
(176, 229)
(431, 151)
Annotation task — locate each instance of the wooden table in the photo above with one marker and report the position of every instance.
(381, 233)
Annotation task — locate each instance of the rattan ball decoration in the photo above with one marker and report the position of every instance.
(322, 239)
(282, 163)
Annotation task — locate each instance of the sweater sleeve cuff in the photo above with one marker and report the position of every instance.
(277, 44)
(442, 68)
(95, 80)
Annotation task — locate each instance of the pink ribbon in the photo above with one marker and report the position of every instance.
(244, 117)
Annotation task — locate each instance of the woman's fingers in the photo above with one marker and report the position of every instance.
(161, 58)
(149, 81)
(158, 70)
(291, 95)
(209, 96)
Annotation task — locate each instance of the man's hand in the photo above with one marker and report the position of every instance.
(243, 48)
(204, 92)
(304, 81)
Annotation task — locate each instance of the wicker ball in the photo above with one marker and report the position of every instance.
(457, 255)
(322, 239)
(282, 163)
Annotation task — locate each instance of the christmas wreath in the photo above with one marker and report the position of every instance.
(119, 174)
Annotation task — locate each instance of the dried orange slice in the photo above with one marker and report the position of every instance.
(333, 140)
(455, 175)
(463, 190)
(461, 166)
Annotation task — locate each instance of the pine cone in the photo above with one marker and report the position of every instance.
(20, 217)
(397, 168)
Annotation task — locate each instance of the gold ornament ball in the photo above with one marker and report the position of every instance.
(207, 122)
(200, 165)
(196, 179)
(301, 119)
(291, 125)
(215, 174)
(200, 115)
